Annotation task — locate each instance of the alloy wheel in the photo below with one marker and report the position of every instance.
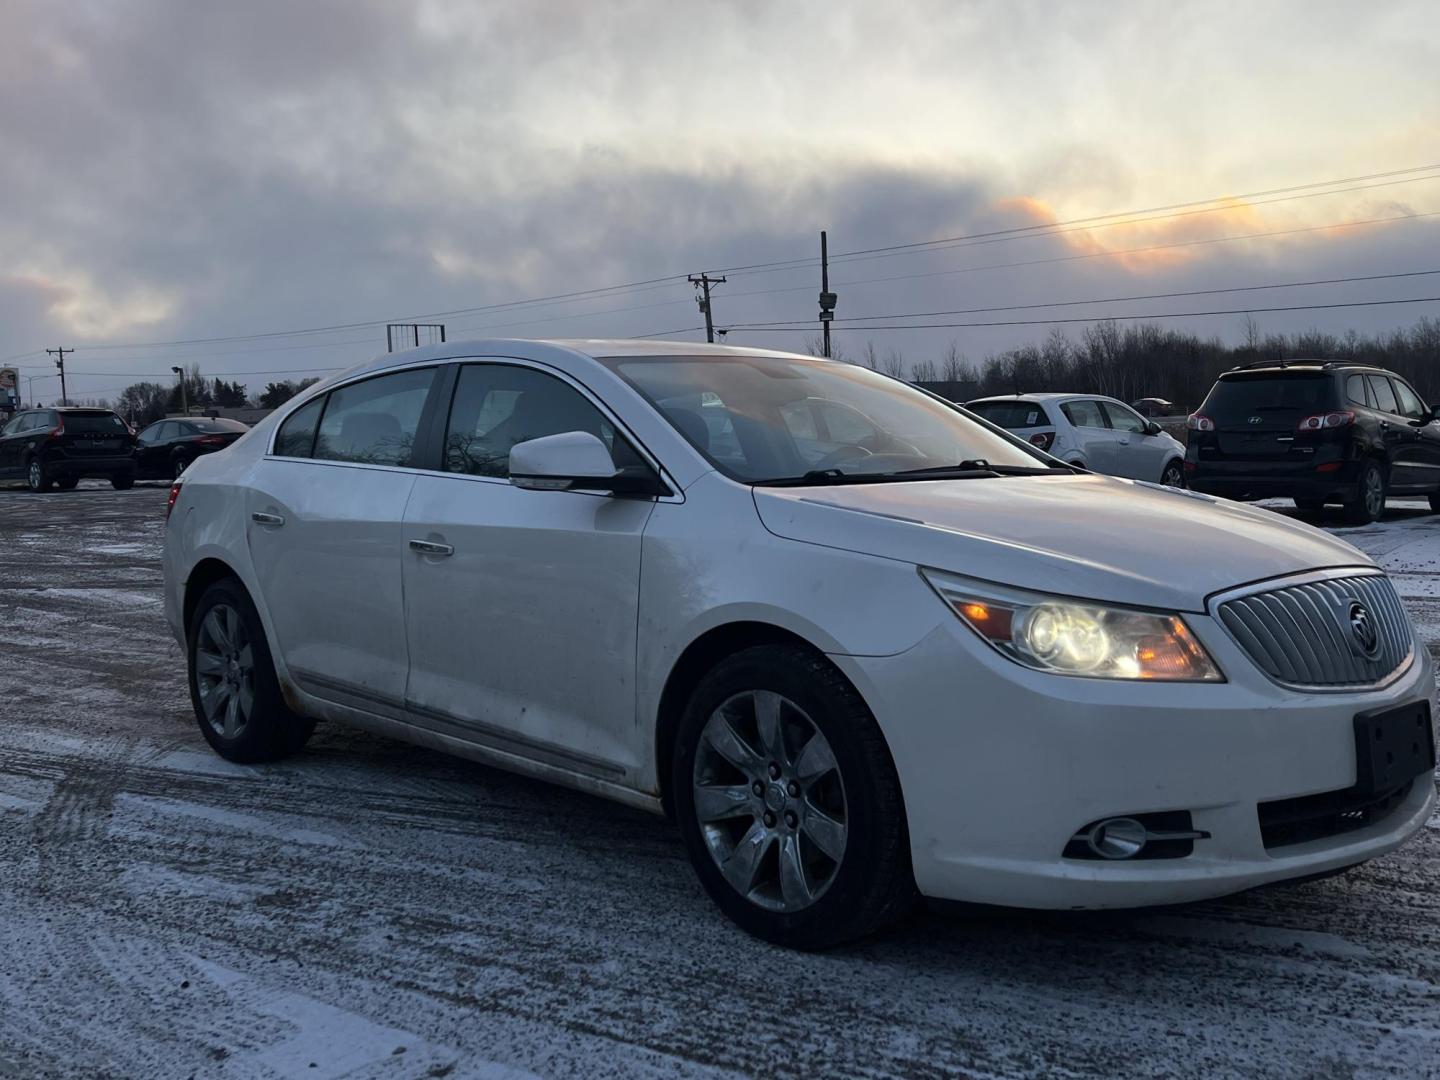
(770, 801)
(225, 671)
(1374, 493)
(1173, 477)
(37, 476)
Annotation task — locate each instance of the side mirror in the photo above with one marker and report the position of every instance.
(576, 461)
(1152, 428)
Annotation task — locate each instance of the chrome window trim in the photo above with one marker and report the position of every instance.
(1215, 601)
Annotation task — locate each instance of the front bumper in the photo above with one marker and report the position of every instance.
(1000, 766)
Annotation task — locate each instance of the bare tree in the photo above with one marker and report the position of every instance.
(924, 371)
(894, 363)
(870, 357)
(953, 365)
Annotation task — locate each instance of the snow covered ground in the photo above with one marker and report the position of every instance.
(369, 909)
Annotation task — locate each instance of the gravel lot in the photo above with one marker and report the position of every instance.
(370, 909)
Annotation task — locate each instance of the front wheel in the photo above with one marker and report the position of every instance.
(1174, 475)
(1368, 501)
(233, 686)
(1435, 502)
(789, 802)
(36, 477)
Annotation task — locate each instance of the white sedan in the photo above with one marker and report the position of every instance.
(859, 645)
(1095, 432)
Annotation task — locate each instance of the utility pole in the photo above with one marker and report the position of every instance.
(184, 405)
(827, 298)
(704, 281)
(59, 355)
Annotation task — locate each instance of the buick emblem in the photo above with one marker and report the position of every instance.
(1254, 419)
(1362, 630)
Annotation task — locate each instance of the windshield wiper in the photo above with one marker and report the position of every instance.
(820, 477)
(981, 467)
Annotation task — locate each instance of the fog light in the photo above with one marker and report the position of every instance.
(1117, 838)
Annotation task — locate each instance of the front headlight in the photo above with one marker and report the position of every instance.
(1077, 637)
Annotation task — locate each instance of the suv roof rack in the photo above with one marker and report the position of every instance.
(1295, 363)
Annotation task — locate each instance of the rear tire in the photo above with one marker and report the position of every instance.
(123, 483)
(1367, 502)
(177, 466)
(815, 840)
(36, 477)
(233, 686)
(1310, 506)
(1435, 502)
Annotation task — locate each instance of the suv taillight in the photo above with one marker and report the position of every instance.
(1322, 421)
(170, 502)
(57, 431)
(1043, 439)
(1199, 422)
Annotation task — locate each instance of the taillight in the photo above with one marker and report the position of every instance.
(1199, 422)
(1322, 421)
(57, 431)
(170, 502)
(1043, 439)
(211, 440)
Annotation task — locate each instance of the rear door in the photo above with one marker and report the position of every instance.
(522, 605)
(1421, 458)
(324, 512)
(1093, 434)
(1138, 455)
(151, 450)
(10, 444)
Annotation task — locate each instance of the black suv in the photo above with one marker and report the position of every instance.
(60, 447)
(1318, 431)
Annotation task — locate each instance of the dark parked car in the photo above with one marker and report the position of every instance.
(1151, 407)
(166, 448)
(1316, 431)
(60, 447)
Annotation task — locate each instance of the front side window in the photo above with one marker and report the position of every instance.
(374, 422)
(498, 406)
(149, 436)
(743, 414)
(1122, 419)
(1384, 396)
(1410, 404)
(1084, 414)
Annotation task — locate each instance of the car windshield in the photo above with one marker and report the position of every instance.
(96, 423)
(766, 419)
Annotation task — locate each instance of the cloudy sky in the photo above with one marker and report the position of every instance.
(209, 170)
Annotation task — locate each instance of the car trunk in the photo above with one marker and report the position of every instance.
(1257, 417)
(97, 434)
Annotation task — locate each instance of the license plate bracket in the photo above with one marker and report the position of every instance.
(1393, 746)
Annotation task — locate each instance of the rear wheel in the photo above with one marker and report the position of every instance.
(36, 476)
(177, 466)
(1435, 502)
(788, 800)
(1174, 475)
(233, 686)
(1310, 506)
(123, 483)
(1367, 502)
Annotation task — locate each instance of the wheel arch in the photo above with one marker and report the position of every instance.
(203, 574)
(697, 658)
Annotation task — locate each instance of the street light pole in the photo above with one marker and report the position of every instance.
(180, 374)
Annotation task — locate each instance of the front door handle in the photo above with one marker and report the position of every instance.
(267, 519)
(429, 547)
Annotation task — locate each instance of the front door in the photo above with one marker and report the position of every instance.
(12, 442)
(324, 520)
(521, 605)
(1138, 455)
(1096, 440)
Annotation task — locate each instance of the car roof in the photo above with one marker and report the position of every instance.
(1275, 367)
(1052, 395)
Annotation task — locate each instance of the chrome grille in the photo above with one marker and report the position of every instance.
(1301, 635)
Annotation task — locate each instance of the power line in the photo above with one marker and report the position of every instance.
(1107, 318)
(1103, 300)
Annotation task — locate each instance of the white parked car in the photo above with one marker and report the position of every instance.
(1095, 432)
(859, 645)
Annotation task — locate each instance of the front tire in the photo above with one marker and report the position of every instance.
(1174, 475)
(233, 686)
(123, 483)
(788, 800)
(1367, 503)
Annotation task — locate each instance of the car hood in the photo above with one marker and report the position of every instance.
(1078, 535)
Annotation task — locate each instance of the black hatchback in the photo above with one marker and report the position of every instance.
(1318, 432)
(167, 448)
(60, 447)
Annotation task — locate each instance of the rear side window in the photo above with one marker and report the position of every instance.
(1084, 414)
(1355, 391)
(297, 433)
(1384, 396)
(497, 406)
(374, 422)
(1410, 403)
(1011, 414)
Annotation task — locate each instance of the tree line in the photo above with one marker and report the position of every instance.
(1135, 360)
(145, 402)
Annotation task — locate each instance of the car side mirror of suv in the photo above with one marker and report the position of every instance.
(576, 461)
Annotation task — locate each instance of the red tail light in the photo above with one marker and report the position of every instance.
(170, 502)
(56, 431)
(1329, 466)
(1199, 422)
(1043, 439)
(1323, 421)
(211, 440)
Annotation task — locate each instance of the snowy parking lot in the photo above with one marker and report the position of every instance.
(372, 909)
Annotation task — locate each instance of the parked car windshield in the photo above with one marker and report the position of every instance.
(96, 423)
(760, 419)
(1235, 398)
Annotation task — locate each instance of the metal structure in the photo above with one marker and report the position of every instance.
(703, 282)
(827, 298)
(408, 335)
(59, 355)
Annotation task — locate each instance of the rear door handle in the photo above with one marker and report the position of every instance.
(267, 519)
(429, 547)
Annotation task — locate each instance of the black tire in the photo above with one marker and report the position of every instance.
(177, 466)
(270, 730)
(1173, 474)
(123, 483)
(1310, 506)
(1435, 502)
(1362, 507)
(871, 884)
(66, 485)
(37, 478)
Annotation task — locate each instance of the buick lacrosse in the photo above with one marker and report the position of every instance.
(862, 646)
